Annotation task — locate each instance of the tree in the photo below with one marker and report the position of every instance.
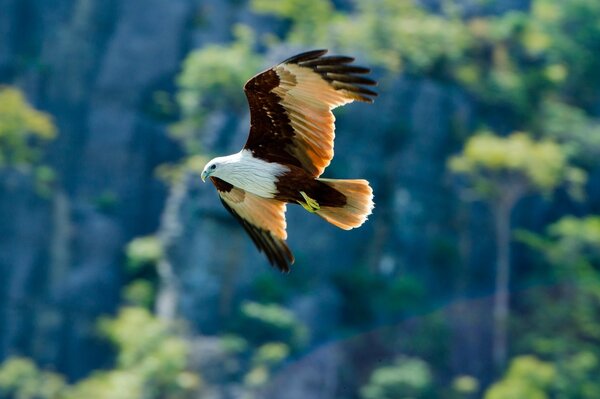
(501, 171)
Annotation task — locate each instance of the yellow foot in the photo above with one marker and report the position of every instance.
(310, 204)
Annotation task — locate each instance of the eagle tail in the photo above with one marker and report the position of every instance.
(359, 203)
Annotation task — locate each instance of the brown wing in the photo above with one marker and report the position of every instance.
(262, 218)
(290, 108)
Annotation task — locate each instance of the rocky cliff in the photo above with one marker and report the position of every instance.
(95, 66)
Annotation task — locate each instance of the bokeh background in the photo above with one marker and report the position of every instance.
(477, 276)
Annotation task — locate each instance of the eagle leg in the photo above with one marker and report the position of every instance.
(310, 204)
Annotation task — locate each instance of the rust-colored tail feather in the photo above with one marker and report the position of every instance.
(359, 203)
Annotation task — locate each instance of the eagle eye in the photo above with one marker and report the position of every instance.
(213, 166)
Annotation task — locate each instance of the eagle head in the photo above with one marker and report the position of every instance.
(209, 169)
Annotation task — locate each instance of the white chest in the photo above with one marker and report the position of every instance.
(253, 174)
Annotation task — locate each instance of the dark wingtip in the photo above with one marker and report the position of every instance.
(308, 55)
(338, 71)
(285, 260)
(329, 60)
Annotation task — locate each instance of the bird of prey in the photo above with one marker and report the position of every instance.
(289, 146)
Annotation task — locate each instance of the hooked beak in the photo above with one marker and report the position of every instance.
(204, 175)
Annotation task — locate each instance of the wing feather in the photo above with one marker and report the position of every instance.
(262, 218)
(291, 108)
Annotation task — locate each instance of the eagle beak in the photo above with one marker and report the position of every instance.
(204, 175)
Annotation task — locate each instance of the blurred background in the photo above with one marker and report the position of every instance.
(477, 276)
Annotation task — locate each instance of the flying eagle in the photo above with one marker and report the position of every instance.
(289, 146)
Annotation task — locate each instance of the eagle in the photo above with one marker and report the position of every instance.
(289, 146)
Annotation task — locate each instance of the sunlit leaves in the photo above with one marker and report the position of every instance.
(465, 385)
(406, 378)
(400, 35)
(578, 232)
(540, 165)
(23, 130)
(271, 353)
(527, 377)
(20, 378)
(531, 378)
(567, 34)
(143, 251)
(272, 323)
(265, 358)
(572, 245)
(572, 127)
(151, 352)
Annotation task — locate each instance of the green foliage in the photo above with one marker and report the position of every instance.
(151, 364)
(20, 378)
(465, 385)
(44, 178)
(406, 378)
(212, 79)
(117, 384)
(264, 360)
(573, 128)
(527, 378)
(234, 344)
(151, 360)
(140, 292)
(575, 239)
(401, 35)
(266, 323)
(534, 55)
(571, 33)
(571, 248)
(309, 18)
(143, 255)
(563, 324)
(143, 252)
(578, 376)
(493, 163)
(271, 353)
(530, 378)
(23, 130)
(251, 362)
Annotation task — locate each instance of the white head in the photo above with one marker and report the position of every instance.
(219, 167)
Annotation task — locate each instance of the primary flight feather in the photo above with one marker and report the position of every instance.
(289, 146)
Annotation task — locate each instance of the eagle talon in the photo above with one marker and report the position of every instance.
(310, 204)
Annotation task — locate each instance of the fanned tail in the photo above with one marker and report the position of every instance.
(359, 203)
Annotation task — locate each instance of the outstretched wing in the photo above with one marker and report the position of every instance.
(262, 218)
(290, 108)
